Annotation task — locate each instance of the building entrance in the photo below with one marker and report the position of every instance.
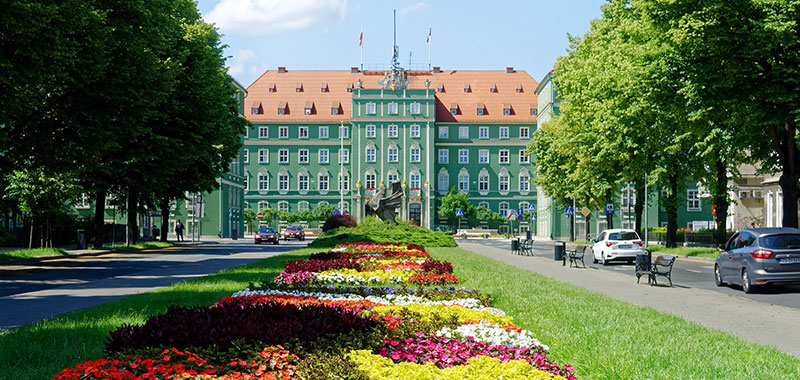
(415, 213)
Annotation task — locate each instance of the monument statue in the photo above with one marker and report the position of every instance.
(385, 206)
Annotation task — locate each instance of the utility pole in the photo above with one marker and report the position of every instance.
(341, 169)
(645, 210)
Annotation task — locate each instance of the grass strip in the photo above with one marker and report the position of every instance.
(149, 244)
(686, 251)
(605, 338)
(29, 253)
(41, 350)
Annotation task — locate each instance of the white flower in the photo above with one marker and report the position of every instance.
(492, 335)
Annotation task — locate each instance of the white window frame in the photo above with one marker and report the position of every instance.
(414, 131)
(483, 182)
(463, 156)
(524, 158)
(302, 182)
(693, 200)
(370, 154)
(463, 132)
(414, 181)
(503, 209)
(391, 178)
(524, 182)
(444, 156)
(302, 206)
(370, 181)
(283, 132)
(283, 182)
(344, 156)
(247, 156)
(393, 131)
(246, 182)
(504, 181)
(443, 131)
(443, 179)
(283, 206)
(344, 132)
(303, 132)
(323, 132)
(263, 181)
(393, 109)
(483, 156)
(324, 156)
(503, 157)
(524, 132)
(344, 182)
(416, 108)
(415, 154)
(393, 154)
(503, 132)
(483, 132)
(263, 132)
(463, 182)
(372, 109)
(302, 156)
(484, 204)
(283, 156)
(262, 205)
(263, 156)
(371, 131)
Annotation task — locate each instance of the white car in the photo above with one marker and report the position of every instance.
(617, 245)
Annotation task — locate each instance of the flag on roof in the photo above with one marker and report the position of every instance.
(361, 38)
(429, 35)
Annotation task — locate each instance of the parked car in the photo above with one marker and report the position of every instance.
(266, 234)
(616, 245)
(294, 232)
(760, 256)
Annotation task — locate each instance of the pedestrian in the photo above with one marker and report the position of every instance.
(179, 230)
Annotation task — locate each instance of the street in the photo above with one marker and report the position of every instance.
(35, 291)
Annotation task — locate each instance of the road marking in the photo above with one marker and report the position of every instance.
(694, 270)
(708, 267)
(692, 260)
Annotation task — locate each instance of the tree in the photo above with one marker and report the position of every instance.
(250, 219)
(454, 200)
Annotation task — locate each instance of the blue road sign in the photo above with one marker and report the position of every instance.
(520, 211)
(532, 207)
(610, 208)
(336, 212)
(519, 216)
(459, 212)
(568, 211)
(533, 216)
(275, 215)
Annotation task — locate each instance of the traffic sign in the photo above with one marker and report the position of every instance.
(347, 212)
(336, 212)
(610, 208)
(568, 211)
(459, 212)
(533, 216)
(519, 216)
(585, 211)
(510, 214)
(532, 207)
(260, 215)
(713, 209)
(275, 215)
(520, 211)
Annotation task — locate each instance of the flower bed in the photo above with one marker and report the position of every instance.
(359, 311)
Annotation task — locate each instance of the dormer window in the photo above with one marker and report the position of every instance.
(371, 108)
(309, 108)
(519, 88)
(335, 107)
(392, 108)
(454, 109)
(481, 108)
(256, 109)
(533, 112)
(507, 109)
(493, 88)
(273, 87)
(324, 87)
(440, 88)
(298, 87)
(350, 87)
(467, 88)
(283, 108)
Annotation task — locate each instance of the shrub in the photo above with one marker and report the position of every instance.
(373, 229)
(322, 366)
(269, 323)
(335, 221)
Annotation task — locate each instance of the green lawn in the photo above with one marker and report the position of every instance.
(149, 244)
(28, 253)
(609, 339)
(686, 251)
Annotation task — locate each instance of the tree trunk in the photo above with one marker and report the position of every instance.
(672, 212)
(588, 221)
(572, 226)
(720, 197)
(30, 240)
(132, 206)
(609, 217)
(99, 218)
(786, 146)
(164, 219)
(638, 206)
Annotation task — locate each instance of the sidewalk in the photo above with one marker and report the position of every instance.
(757, 322)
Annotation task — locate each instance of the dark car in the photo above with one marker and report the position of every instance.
(294, 232)
(760, 256)
(266, 234)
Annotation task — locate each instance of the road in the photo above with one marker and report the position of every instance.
(54, 286)
(695, 273)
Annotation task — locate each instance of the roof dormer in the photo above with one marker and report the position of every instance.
(493, 88)
(507, 109)
(273, 87)
(467, 88)
(519, 88)
(324, 87)
(298, 87)
(480, 109)
(283, 108)
(309, 108)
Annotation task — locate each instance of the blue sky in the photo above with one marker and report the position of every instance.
(323, 34)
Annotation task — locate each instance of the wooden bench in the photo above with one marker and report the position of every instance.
(662, 267)
(576, 255)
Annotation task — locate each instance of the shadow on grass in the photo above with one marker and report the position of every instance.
(32, 253)
(41, 350)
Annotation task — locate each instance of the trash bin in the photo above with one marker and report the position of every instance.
(559, 250)
(643, 261)
(514, 245)
(81, 239)
(234, 234)
(156, 232)
(528, 234)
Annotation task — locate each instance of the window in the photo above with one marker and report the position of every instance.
(370, 182)
(263, 132)
(503, 209)
(444, 181)
(415, 108)
(323, 182)
(370, 131)
(415, 154)
(334, 111)
(463, 132)
(415, 182)
(463, 182)
(628, 197)
(483, 182)
(323, 132)
(524, 206)
(371, 108)
(254, 111)
(344, 156)
(392, 108)
(504, 156)
(83, 201)
(481, 111)
(392, 178)
(303, 132)
(415, 131)
(483, 132)
(273, 87)
(504, 182)
(524, 182)
(442, 132)
(302, 206)
(523, 157)
(393, 131)
(281, 111)
(263, 156)
(454, 111)
(370, 154)
(483, 156)
(523, 132)
(283, 206)
(534, 111)
(283, 156)
(302, 182)
(283, 182)
(308, 110)
(484, 205)
(344, 206)
(392, 154)
(324, 87)
(323, 156)
(246, 156)
(693, 200)
(443, 156)
(493, 88)
(344, 132)
(507, 111)
(283, 132)
(263, 205)
(303, 156)
(344, 182)
(298, 87)
(263, 182)
(246, 182)
(463, 156)
(503, 132)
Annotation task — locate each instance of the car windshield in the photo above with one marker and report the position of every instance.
(294, 228)
(623, 236)
(265, 230)
(784, 241)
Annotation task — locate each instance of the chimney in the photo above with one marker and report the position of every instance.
(510, 70)
(437, 69)
(354, 70)
(281, 69)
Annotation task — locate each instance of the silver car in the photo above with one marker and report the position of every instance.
(760, 256)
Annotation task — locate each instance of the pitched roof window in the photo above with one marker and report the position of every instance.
(324, 87)
(350, 87)
(493, 88)
(507, 110)
(309, 107)
(298, 87)
(283, 108)
(440, 88)
(454, 109)
(335, 107)
(467, 88)
(519, 88)
(481, 109)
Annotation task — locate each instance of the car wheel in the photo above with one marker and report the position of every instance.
(604, 261)
(275, 243)
(718, 276)
(747, 286)
(594, 258)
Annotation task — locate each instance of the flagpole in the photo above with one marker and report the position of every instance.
(429, 49)
(361, 45)
(341, 169)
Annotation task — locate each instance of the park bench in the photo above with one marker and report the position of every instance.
(526, 247)
(575, 255)
(662, 267)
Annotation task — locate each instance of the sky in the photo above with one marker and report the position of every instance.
(465, 35)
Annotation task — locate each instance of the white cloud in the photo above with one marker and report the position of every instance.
(246, 63)
(418, 7)
(260, 17)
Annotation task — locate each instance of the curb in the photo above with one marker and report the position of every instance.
(99, 252)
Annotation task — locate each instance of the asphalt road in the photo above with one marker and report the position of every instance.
(50, 287)
(686, 273)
